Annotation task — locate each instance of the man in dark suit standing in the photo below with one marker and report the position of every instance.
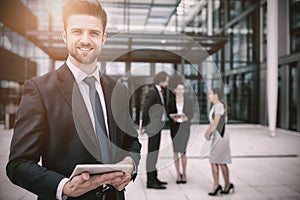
(67, 117)
(153, 120)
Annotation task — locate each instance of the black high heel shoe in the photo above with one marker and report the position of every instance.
(219, 188)
(231, 187)
(179, 181)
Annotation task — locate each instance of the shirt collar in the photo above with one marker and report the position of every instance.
(158, 87)
(80, 75)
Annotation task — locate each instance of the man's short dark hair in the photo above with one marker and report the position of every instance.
(83, 7)
(160, 77)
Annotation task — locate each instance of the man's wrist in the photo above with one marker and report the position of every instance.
(59, 191)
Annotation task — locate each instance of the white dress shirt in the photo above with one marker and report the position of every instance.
(79, 76)
(160, 93)
(158, 87)
(179, 107)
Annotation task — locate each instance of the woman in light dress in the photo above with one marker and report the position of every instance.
(220, 154)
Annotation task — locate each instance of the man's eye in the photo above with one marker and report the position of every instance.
(76, 31)
(95, 33)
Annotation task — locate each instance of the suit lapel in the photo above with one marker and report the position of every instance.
(69, 89)
(65, 83)
(158, 95)
(175, 107)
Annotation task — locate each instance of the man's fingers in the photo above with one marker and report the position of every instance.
(107, 178)
(85, 176)
(80, 179)
(121, 183)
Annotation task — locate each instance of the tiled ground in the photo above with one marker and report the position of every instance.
(263, 167)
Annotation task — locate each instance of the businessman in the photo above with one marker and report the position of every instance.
(153, 120)
(66, 117)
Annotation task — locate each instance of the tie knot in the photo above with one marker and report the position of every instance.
(90, 81)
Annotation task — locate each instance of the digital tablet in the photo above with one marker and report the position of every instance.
(94, 169)
(177, 115)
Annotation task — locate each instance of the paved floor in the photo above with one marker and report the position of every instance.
(263, 167)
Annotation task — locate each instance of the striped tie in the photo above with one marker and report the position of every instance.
(99, 119)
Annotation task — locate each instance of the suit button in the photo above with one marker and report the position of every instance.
(98, 194)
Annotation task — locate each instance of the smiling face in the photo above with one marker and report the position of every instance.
(84, 37)
(179, 90)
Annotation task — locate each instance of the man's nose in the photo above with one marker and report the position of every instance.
(85, 38)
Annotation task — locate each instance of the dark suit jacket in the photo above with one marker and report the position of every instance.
(50, 126)
(153, 111)
(187, 110)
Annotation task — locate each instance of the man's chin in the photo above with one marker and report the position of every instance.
(85, 60)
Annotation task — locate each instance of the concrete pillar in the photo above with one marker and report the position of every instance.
(272, 63)
(298, 95)
(210, 10)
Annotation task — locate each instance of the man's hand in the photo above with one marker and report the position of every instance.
(125, 179)
(185, 118)
(84, 183)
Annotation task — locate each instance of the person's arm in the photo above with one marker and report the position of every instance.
(171, 109)
(212, 126)
(219, 111)
(59, 191)
(148, 102)
(27, 146)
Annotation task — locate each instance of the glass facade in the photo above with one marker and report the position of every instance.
(238, 60)
(239, 63)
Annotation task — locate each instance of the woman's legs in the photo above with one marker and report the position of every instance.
(183, 162)
(215, 173)
(176, 161)
(225, 172)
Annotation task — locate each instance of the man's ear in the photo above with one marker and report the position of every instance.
(64, 36)
(104, 38)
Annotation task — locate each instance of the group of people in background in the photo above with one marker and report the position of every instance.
(180, 112)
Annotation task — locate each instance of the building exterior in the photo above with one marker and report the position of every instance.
(146, 37)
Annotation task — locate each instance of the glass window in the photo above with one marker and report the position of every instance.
(115, 68)
(140, 69)
(264, 32)
(293, 97)
(295, 26)
(240, 32)
(235, 8)
(167, 67)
